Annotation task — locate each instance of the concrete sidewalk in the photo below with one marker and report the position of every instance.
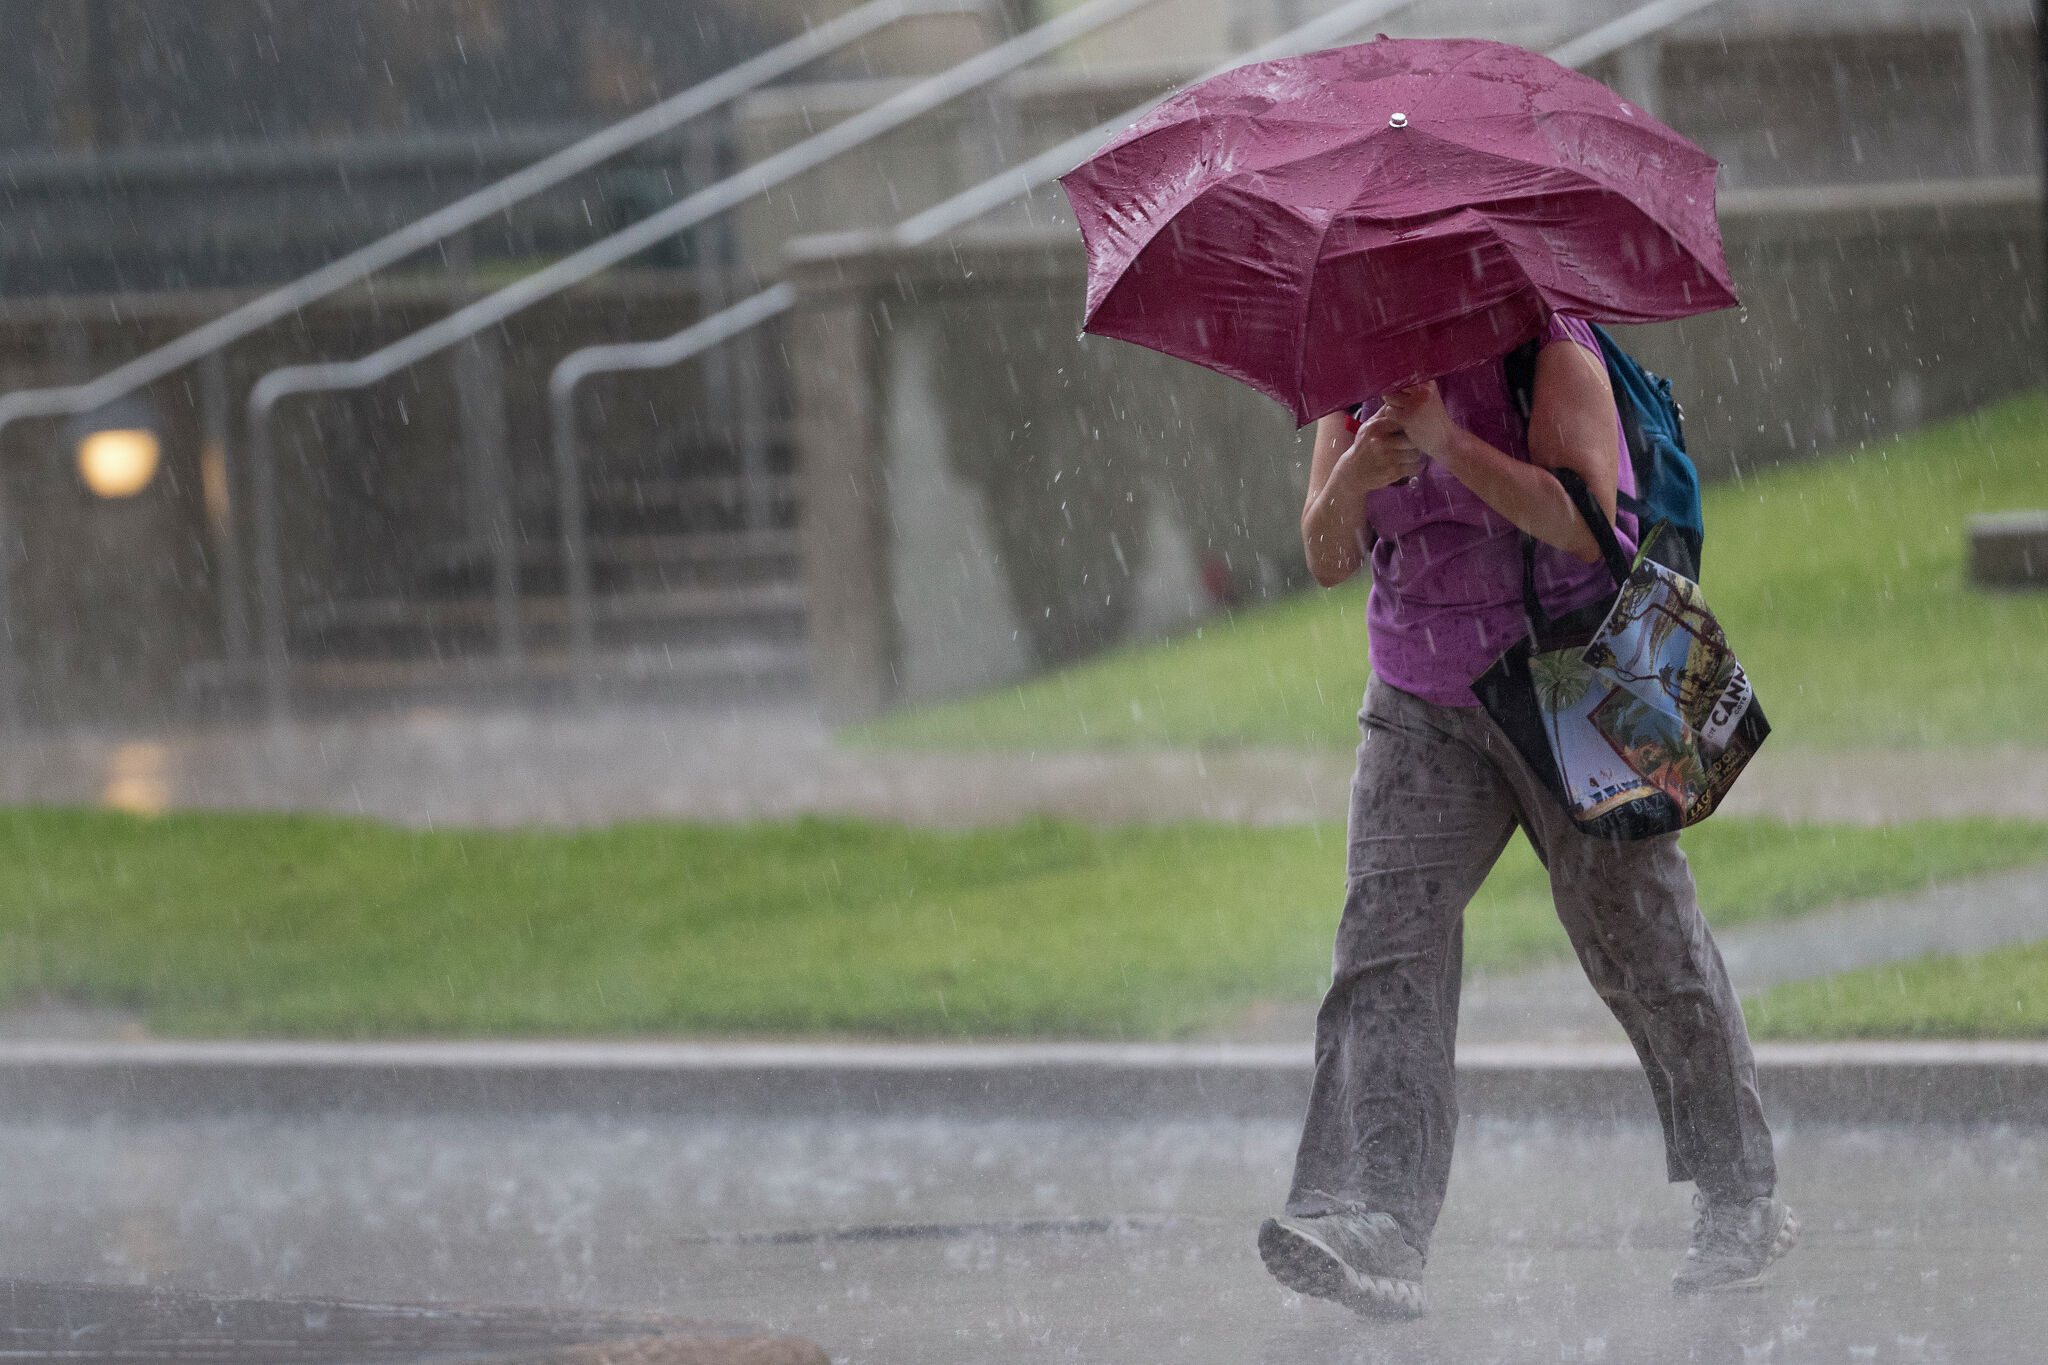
(1831, 1082)
(441, 767)
(1552, 1003)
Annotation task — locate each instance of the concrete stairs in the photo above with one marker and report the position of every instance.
(696, 596)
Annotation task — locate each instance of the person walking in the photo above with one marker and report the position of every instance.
(1391, 218)
(1435, 488)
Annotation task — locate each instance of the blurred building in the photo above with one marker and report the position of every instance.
(162, 160)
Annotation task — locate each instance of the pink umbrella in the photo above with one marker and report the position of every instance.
(1329, 227)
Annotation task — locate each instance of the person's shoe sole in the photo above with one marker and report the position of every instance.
(1788, 1236)
(1304, 1264)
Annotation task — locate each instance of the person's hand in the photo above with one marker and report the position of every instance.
(1419, 409)
(1381, 454)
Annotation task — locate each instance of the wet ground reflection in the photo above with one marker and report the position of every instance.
(907, 1240)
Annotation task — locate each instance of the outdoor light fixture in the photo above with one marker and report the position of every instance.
(119, 462)
(118, 450)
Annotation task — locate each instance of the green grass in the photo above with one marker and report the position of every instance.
(219, 924)
(2003, 994)
(1840, 581)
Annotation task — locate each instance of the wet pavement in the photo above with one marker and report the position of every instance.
(771, 761)
(907, 1240)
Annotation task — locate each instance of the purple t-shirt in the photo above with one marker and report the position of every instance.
(1447, 569)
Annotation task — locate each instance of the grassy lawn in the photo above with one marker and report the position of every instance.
(2003, 994)
(219, 924)
(1841, 582)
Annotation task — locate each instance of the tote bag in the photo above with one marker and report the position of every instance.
(1634, 712)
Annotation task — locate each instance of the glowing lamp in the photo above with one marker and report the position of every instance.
(118, 462)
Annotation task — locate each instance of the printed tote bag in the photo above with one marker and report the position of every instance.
(1634, 711)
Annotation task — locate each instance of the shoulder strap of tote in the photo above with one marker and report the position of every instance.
(1603, 535)
(1519, 369)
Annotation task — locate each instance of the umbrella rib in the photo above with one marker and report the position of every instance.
(1308, 297)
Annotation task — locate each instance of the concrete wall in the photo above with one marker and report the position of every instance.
(989, 494)
(1866, 311)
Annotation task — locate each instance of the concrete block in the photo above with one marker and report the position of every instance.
(2009, 549)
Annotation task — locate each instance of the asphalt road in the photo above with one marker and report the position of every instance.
(897, 1241)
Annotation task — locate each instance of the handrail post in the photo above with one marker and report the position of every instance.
(568, 461)
(479, 371)
(274, 648)
(222, 498)
(10, 659)
(571, 370)
(2041, 122)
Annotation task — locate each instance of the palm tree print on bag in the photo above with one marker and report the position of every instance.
(1561, 678)
(1660, 639)
(1597, 778)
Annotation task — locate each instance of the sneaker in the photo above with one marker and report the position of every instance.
(1734, 1243)
(1358, 1259)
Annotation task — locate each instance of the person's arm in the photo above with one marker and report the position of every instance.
(1571, 426)
(1343, 470)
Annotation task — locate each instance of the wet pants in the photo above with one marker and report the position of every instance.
(1438, 793)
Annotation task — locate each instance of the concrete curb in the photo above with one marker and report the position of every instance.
(81, 1322)
(1823, 1082)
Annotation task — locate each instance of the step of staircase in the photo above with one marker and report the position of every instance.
(621, 563)
(434, 614)
(670, 673)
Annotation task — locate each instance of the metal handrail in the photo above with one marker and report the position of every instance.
(720, 327)
(920, 228)
(900, 108)
(1616, 34)
(473, 208)
(568, 462)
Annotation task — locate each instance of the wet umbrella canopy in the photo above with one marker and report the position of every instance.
(1329, 227)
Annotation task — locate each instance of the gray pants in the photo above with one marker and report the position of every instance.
(1438, 793)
